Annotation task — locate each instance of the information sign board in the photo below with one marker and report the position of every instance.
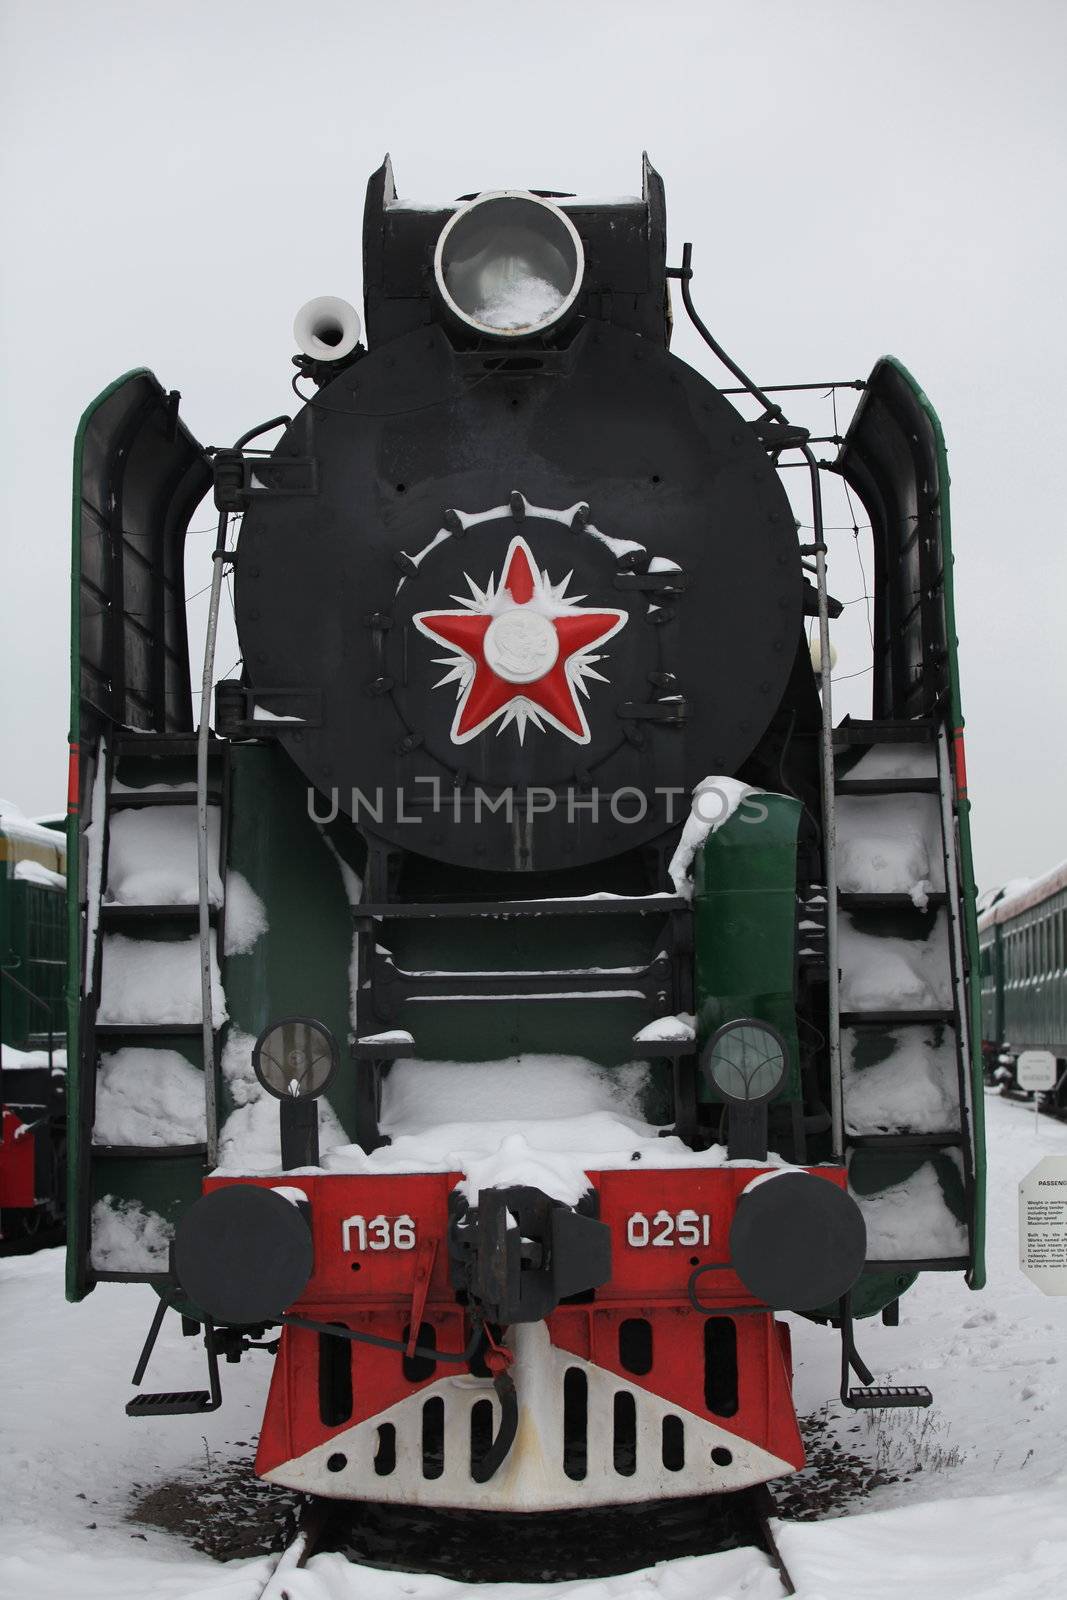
(1043, 1225)
(1036, 1069)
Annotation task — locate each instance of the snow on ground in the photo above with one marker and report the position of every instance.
(996, 1361)
(71, 1457)
(980, 1512)
(733, 1575)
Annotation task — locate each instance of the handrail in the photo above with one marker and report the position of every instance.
(203, 734)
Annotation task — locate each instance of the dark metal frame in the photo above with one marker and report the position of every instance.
(664, 981)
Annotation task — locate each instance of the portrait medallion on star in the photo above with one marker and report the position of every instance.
(522, 651)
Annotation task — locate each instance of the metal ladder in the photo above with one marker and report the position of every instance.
(898, 912)
(911, 921)
(168, 759)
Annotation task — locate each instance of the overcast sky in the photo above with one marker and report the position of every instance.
(856, 178)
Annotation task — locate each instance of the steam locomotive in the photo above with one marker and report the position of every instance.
(519, 990)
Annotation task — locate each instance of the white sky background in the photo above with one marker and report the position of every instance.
(857, 177)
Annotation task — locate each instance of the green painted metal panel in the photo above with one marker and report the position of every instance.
(601, 1031)
(745, 920)
(871, 1294)
(300, 965)
(991, 958)
(33, 951)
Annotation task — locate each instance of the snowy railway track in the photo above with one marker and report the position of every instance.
(471, 1547)
(762, 1510)
(307, 1540)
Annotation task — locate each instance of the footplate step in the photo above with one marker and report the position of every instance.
(875, 1396)
(179, 1402)
(871, 1396)
(176, 1402)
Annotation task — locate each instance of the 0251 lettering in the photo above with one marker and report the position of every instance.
(668, 1228)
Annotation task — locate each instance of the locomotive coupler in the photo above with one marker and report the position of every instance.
(518, 1252)
(516, 1255)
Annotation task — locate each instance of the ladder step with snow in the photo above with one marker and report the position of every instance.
(903, 1011)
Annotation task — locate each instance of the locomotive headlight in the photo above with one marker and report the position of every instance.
(509, 264)
(295, 1058)
(746, 1061)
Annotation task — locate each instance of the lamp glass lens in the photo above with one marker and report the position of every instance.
(510, 264)
(295, 1058)
(747, 1062)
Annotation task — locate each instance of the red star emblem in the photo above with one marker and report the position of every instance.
(521, 651)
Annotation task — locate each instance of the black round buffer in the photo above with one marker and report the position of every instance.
(797, 1241)
(243, 1254)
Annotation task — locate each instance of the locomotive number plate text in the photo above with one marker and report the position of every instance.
(668, 1228)
(377, 1233)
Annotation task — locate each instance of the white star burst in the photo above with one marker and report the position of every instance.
(552, 600)
(520, 584)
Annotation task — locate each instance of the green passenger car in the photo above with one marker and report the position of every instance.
(1023, 941)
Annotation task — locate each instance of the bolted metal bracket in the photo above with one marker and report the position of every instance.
(241, 478)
